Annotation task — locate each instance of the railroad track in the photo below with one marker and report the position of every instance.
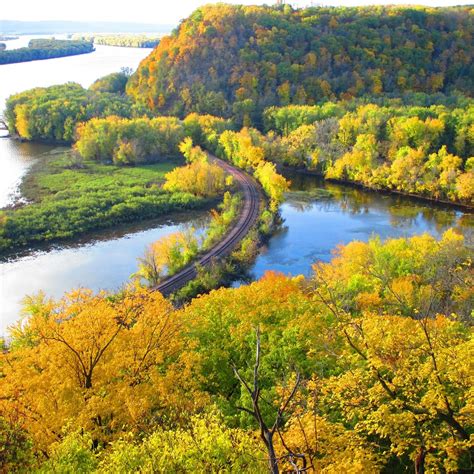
(247, 219)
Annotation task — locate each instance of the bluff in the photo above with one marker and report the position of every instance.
(237, 60)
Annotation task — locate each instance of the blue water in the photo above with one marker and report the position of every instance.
(314, 227)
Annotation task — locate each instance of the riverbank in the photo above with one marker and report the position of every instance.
(63, 197)
(416, 197)
(335, 214)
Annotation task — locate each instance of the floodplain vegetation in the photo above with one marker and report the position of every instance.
(70, 197)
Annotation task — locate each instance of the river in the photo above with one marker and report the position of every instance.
(84, 69)
(315, 225)
(317, 216)
(23, 40)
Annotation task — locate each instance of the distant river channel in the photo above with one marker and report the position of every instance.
(317, 216)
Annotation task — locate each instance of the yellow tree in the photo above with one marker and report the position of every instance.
(405, 370)
(102, 363)
(274, 184)
(411, 387)
(199, 177)
(167, 255)
(465, 186)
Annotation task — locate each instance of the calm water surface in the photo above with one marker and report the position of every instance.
(317, 216)
(314, 226)
(104, 262)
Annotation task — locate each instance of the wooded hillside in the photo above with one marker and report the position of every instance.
(237, 60)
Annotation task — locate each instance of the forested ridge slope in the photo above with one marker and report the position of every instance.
(237, 60)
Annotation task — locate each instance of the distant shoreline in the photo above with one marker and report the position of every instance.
(15, 28)
(45, 49)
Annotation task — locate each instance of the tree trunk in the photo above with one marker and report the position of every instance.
(88, 380)
(272, 459)
(420, 461)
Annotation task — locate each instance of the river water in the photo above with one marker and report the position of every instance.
(315, 225)
(317, 216)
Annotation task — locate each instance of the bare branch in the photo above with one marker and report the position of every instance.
(283, 408)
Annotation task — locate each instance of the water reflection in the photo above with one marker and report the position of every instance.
(309, 191)
(318, 216)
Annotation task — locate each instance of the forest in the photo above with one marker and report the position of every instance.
(127, 41)
(425, 151)
(361, 366)
(242, 59)
(368, 121)
(52, 114)
(45, 49)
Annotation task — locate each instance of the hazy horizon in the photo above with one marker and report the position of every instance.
(143, 12)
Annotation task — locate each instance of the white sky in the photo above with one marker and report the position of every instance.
(148, 11)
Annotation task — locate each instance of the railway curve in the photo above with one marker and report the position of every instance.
(248, 216)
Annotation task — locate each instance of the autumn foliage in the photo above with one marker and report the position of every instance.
(362, 367)
(380, 338)
(231, 60)
(422, 150)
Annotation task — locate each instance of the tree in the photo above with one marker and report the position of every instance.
(465, 186)
(16, 452)
(109, 364)
(406, 171)
(52, 114)
(114, 83)
(204, 444)
(167, 256)
(285, 56)
(403, 387)
(266, 432)
(129, 141)
(274, 184)
(200, 177)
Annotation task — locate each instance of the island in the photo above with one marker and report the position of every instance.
(45, 49)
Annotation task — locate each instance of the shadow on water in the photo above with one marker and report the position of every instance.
(310, 191)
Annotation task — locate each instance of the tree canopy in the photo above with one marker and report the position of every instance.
(379, 338)
(51, 114)
(236, 60)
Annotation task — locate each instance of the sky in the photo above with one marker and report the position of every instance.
(149, 11)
